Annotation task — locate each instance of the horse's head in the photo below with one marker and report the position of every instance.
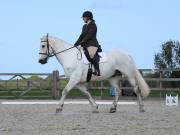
(45, 50)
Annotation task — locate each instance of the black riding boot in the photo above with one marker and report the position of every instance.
(95, 62)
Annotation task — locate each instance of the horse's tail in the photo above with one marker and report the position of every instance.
(144, 88)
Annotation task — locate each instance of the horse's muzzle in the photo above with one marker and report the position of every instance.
(43, 61)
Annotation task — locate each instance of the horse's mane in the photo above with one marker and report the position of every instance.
(61, 40)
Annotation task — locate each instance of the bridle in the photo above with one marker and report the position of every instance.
(48, 49)
(48, 54)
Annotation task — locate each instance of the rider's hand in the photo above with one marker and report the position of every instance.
(82, 43)
(75, 45)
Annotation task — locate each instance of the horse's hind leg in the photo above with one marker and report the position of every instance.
(82, 87)
(114, 82)
(138, 93)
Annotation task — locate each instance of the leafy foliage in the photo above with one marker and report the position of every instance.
(35, 78)
(169, 56)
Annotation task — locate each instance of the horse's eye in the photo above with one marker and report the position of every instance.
(43, 46)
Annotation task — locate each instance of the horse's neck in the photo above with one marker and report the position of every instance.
(66, 58)
(58, 44)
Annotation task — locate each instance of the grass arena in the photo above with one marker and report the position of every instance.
(27, 117)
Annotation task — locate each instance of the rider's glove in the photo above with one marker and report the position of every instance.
(76, 44)
(82, 43)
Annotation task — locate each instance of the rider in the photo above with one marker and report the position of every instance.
(88, 40)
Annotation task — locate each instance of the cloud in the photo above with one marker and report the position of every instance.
(106, 4)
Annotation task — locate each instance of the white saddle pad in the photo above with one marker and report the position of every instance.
(103, 58)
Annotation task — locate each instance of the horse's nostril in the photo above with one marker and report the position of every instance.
(40, 61)
(43, 61)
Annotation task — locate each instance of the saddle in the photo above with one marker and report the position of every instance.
(102, 58)
(98, 58)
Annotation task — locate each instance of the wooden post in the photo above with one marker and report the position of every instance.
(120, 86)
(55, 80)
(102, 85)
(160, 82)
(17, 83)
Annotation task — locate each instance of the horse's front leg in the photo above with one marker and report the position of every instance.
(61, 103)
(74, 79)
(82, 87)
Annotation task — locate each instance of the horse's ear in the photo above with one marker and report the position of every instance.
(47, 35)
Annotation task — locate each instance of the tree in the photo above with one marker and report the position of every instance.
(169, 56)
(35, 78)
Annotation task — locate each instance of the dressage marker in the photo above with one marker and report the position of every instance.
(172, 100)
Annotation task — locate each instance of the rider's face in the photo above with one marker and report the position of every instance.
(85, 19)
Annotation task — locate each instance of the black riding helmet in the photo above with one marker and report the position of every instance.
(88, 14)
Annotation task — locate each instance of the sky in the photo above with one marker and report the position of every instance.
(137, 27)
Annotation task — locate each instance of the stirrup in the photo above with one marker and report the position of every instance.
(96, 73)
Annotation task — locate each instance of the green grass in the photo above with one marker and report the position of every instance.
(46, 94)
(159, 93)
(44, 91)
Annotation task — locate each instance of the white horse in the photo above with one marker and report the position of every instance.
(75, 69)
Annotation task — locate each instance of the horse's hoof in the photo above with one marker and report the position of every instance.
(112, 110)
(58, 110)
(95, 111)
(142, 111)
